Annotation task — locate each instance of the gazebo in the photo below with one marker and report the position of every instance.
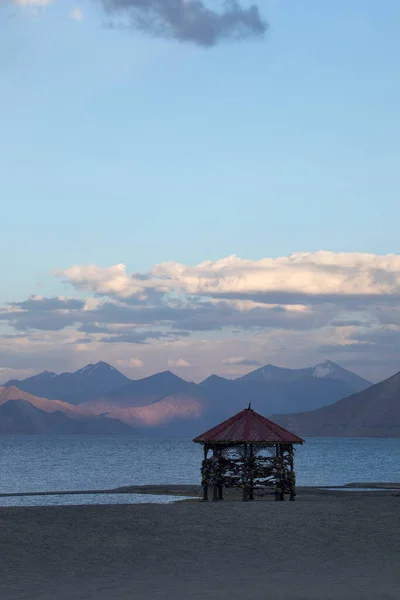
(248, 452)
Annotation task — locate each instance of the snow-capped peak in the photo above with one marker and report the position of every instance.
(323, 369)
(89, 369)
(45, 375)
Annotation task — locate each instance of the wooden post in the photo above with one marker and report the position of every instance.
(277, 473)
(215, 493)
(221, 473)
(204, 475)
(279, 489)
(244, 477)
(292, 477)
(251, 486)
(215, 473)
(282, 472)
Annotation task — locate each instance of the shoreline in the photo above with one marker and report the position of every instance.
(191, 490)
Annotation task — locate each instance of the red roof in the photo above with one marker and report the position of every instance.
(248, 427)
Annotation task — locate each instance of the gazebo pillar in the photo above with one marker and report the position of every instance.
(216, 475)
(280, 474)
(251, 481)
(245, 481)
(205, 474)
(220, 492)
(291, 475)
(215, 493)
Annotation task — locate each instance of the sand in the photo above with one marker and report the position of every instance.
(326, 545)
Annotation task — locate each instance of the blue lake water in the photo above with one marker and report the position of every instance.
(62, 463)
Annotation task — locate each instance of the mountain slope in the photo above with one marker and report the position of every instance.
(324, 370)
(175, 407)
(75, 388)
(13, 393)
(159, 401)
(141, 392)
(304, 393)
(21, 417)
(374, 412)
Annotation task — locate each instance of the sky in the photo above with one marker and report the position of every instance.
(199, 187)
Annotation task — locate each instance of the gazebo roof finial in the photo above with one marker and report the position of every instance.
(249, 406)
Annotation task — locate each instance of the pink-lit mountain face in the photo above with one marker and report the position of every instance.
(23, 413)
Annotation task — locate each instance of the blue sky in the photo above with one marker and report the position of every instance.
(119, 147)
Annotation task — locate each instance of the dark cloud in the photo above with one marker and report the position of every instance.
(44, 321)
(382, 337)
(207, 316)
(48, 304)
(192, 316)
(331, 349)
(93, 328)
(344, 301)
(187, 20)
(143, 337)
(126, 322)
(386, 316)
(347, 323)
(213, 317)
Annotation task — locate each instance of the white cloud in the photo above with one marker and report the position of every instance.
(82, 347)
(339, 305)
(91, 303)
(133, 363)
(241, 361)
(109, 281)
(318, 273)
(76, 15)
(180, 363)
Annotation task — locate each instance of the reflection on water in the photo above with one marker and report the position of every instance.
(80, 499)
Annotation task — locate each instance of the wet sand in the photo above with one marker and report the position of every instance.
(326, 545)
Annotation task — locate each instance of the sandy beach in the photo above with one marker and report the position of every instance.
(326, 545)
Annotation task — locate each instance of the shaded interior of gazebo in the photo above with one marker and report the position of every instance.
(248, 452)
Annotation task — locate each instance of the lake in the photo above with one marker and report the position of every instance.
(62, 463)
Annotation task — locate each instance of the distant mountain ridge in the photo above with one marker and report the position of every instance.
(373, 412)
(75, 388)
(22, 413)
(152, 401)
(323, 370)
(167, 403)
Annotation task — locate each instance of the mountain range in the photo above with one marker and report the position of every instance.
(22, 413)
(166, 404)
(75, 388)
(373, 412)
(325, 370)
